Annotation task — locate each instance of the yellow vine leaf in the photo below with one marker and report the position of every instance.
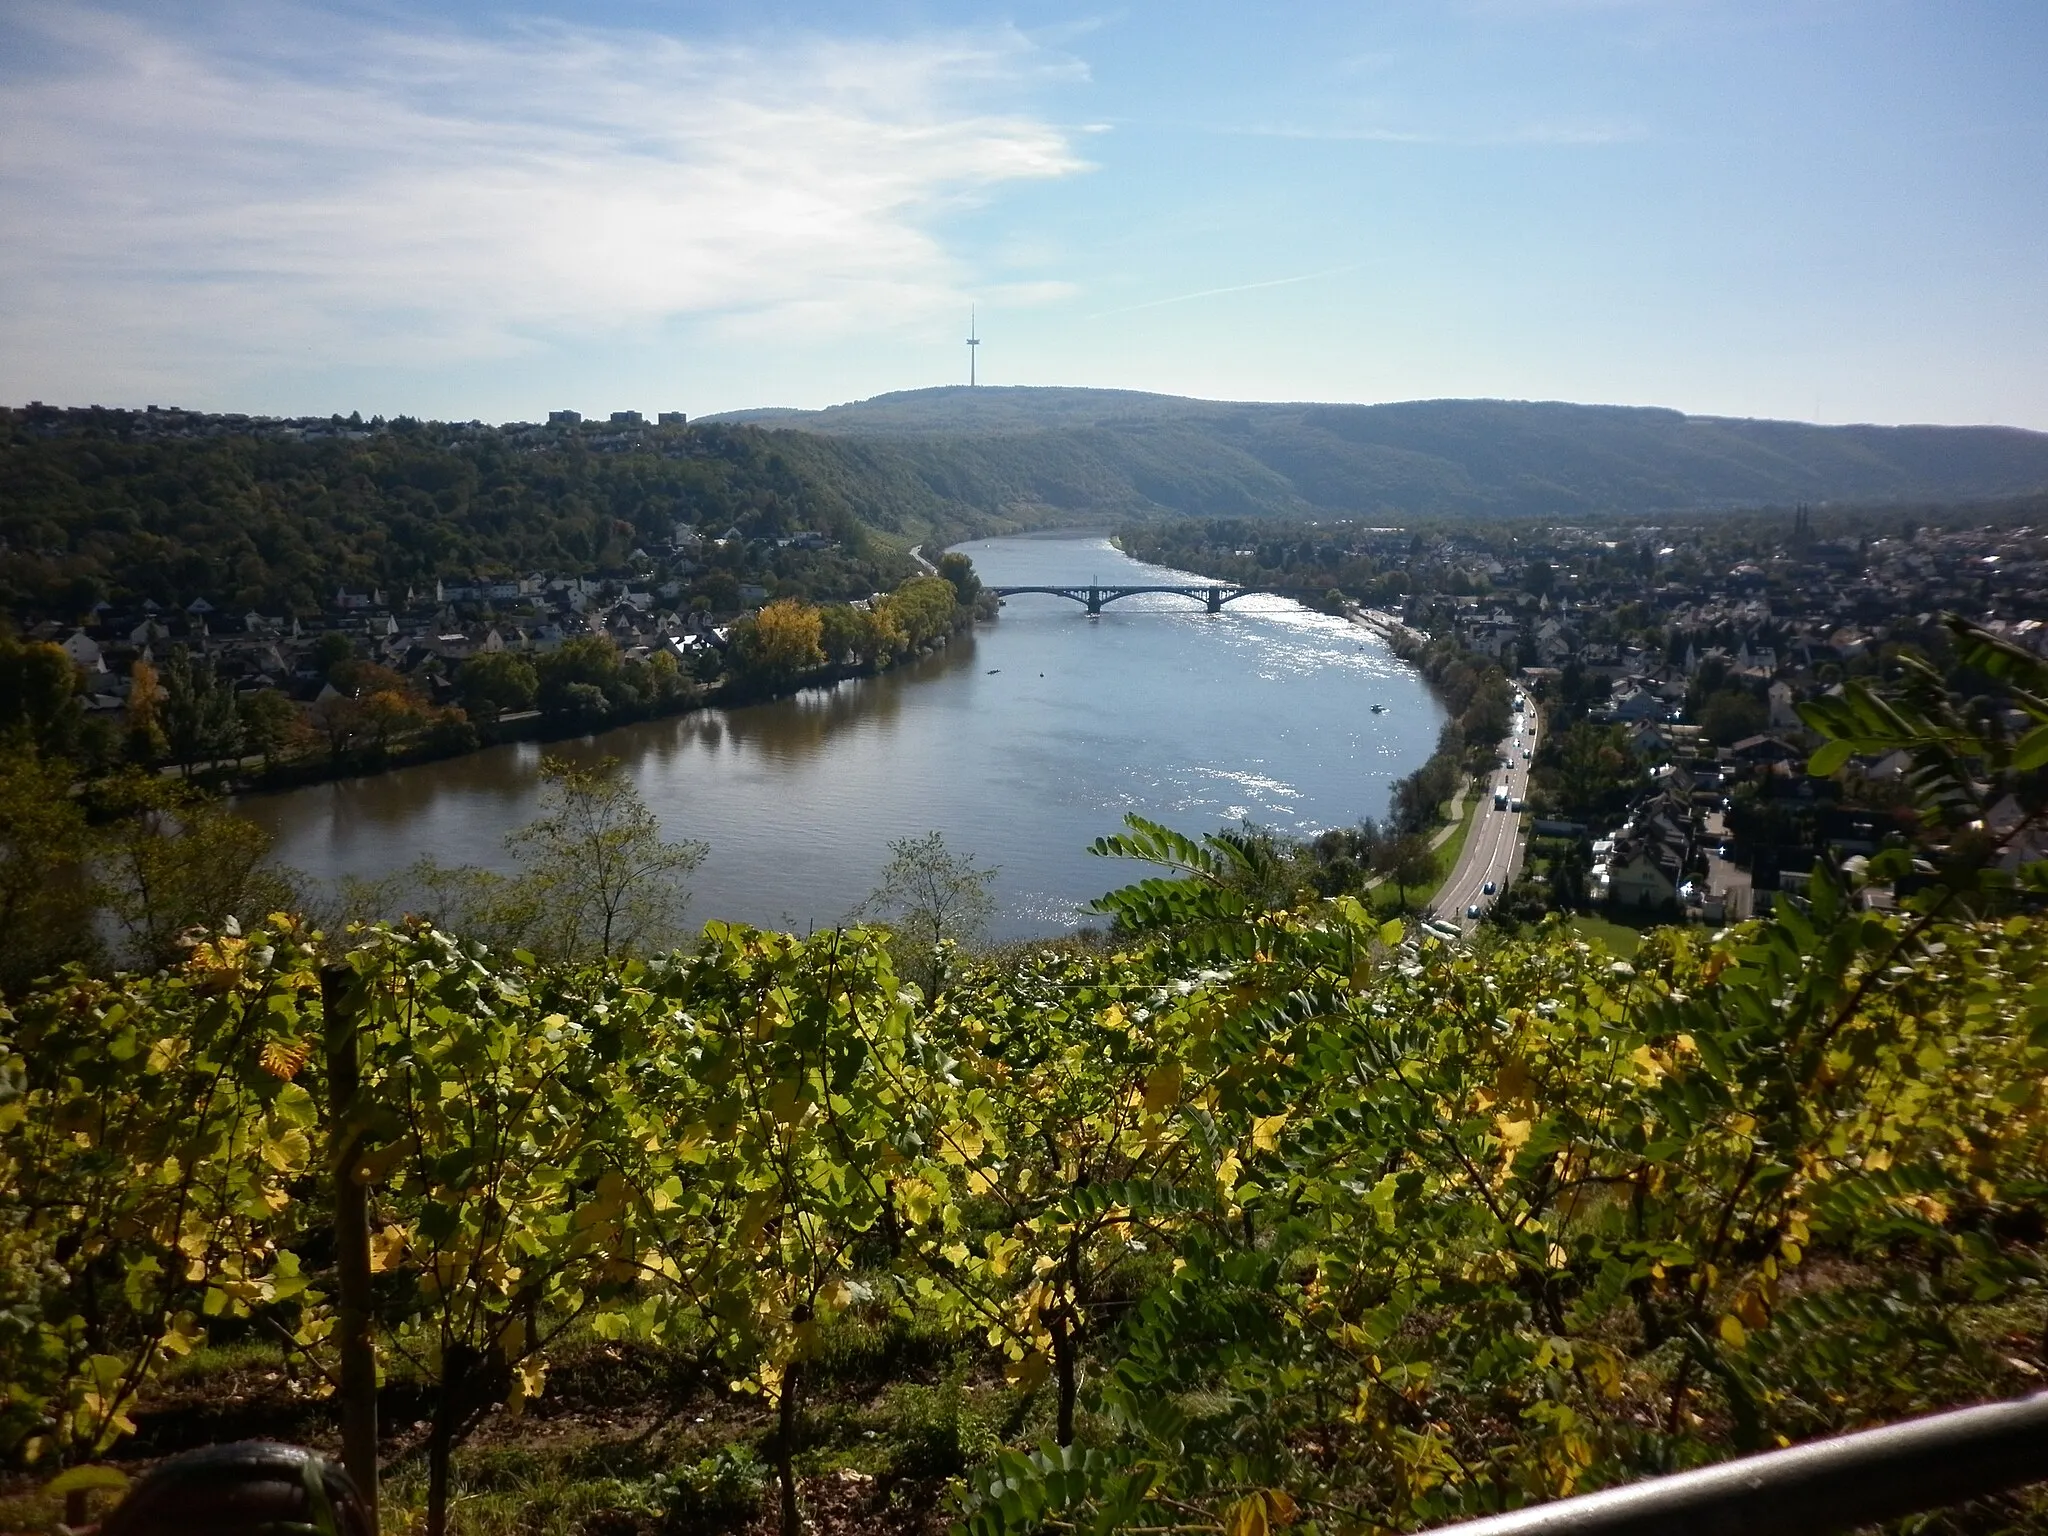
(288, 1151)
(1513, 1082)
(1029, 1373)
(1162, 1087)
(1751, 1309)
(285, 1058)
(1226, 1173)
(1258, 1514)
(387, 1249)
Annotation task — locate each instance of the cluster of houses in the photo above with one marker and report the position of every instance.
(1782, 624)
(622, 432)
(424, 634)
(1675, 850)
(1682, 847)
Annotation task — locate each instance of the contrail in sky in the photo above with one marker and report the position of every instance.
(1209, 293)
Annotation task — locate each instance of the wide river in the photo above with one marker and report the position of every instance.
(1021, 744)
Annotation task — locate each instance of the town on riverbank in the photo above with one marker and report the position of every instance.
(1675, 666)
(221, 595)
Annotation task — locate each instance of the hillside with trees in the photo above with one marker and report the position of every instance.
(1120, 453)
(251, 513)
(126, 506)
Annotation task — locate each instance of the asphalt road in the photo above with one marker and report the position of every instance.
(1493, 848)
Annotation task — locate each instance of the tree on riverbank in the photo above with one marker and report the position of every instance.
(959, 570)
(199, 717)
(496, 683)
(1408, 861)
(1417, 801)
(779, 643)
(923, 608)
(39, 705)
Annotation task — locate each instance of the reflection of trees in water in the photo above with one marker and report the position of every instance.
(784, 730)
(499, 786)
(792, 729)
(796, 728)
(498, 780)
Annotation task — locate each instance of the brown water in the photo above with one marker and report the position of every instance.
(1022, 744)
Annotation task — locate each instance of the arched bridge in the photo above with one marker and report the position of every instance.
(1212, 596)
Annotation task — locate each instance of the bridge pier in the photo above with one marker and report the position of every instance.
(1215, 599)
(1095, 599)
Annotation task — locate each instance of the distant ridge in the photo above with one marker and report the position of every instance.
(985, 408)
(1028, 454)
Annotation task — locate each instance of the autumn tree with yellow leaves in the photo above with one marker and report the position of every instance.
(779, 643)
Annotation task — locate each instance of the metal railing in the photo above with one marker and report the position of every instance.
(1830, 1485)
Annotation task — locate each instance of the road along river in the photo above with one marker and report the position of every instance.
(1021, 744)
(1493, 848)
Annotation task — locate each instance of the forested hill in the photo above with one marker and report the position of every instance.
(278, 515)
(1029, 453)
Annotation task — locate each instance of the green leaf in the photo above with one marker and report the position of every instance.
(85, 1479)
(2031, 751)
(1828, 759)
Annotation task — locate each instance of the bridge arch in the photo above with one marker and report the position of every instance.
(1118, 594)
(1094, 597)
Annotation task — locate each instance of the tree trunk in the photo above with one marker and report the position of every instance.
(457, 1365)
(358, 1393)
(785, 1448)
(1065, 1371)
(437, 1475)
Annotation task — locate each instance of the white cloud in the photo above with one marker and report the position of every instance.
(175, 209)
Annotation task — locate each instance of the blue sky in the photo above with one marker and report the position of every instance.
(1830, 210)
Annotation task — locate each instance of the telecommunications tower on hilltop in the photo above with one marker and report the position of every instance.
(973, 341)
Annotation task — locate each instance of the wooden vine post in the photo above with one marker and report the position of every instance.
(358, 1392)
